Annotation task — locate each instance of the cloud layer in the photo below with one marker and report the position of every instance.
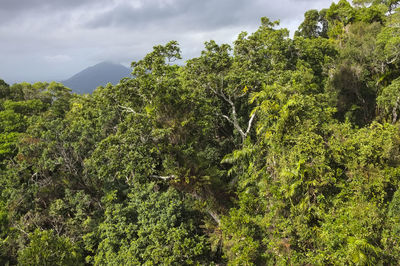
(53, 39)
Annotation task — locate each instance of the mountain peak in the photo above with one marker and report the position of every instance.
(87, 80)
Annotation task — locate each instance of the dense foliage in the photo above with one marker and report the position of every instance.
(276, 150)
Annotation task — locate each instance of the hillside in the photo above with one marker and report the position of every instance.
(98, 75)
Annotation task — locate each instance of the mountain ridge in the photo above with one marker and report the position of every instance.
(87, 80)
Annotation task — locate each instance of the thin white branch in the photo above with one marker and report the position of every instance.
(242, 95)
(227, 99)
(212, 213)
(393, 60)
(165, 178)
(250, 122)
(211, 89)
(34, 175)
(130, 110)
(215, 216)
(227, 118)
(234, 120)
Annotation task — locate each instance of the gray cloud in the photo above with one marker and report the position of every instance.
(182, 14)
(23, 5)
(17, 10)
(200, 15)
(53, 39)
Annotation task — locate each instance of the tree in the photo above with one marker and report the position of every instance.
(153, 226)
(47, 249)
(309, 28)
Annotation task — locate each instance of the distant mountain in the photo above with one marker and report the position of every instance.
(98, 75)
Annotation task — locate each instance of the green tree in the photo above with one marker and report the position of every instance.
(45, 248)
(153, 226)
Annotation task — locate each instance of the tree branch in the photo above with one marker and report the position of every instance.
(227, 118)
(165, 178)
(234, 120)
(212, 213)
(215, 216)
(130, 110)
(250, 122)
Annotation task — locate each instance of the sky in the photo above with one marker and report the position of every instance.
(44, 40)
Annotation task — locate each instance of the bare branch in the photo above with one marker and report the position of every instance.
(130, 110)
(215, 216)
(212, 213)
(165, 178)
(211, 89)
(250, 122)
(234, 120)
(227, 99)
(227, 118)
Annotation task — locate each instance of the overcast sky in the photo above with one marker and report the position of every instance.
(43, 40)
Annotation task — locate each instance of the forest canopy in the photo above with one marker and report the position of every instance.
(272, 150)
